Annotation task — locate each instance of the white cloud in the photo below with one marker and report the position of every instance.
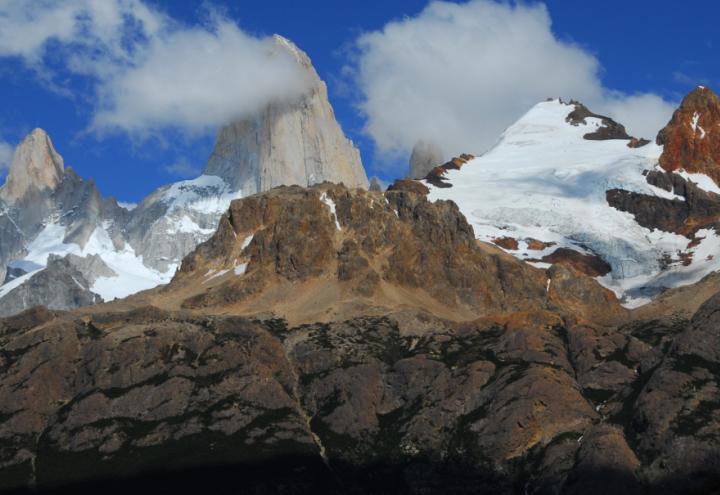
(183, 168)
(150, 72)
(6, 155)
(197, 79)
(459, 74)
(643, 114)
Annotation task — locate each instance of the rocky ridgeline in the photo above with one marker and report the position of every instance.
(375, 249)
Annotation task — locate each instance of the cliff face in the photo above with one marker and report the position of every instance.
(36, 166)
(288, 143)
(691, 139)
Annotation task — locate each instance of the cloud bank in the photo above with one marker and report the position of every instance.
(459, 74)
(183, 168)
(6, 155)
(148, 71)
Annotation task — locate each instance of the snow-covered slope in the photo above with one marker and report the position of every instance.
(155, 237)
(544, 181)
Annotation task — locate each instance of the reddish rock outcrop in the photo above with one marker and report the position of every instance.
(591, 265)
(608, 130)
(537, 245)
(692, 137)
(509, 243)
(437, 178)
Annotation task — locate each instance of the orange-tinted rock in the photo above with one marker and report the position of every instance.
(637, 143)
(290, 236)
(408, 185)
(692, 137)
(536, 245)
(608, 130)
(592, 265)
(437, 178)
(508, 243)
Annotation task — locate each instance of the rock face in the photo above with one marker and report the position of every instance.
(607, 129)
(437, 176)
(426, 155)
(41, 194)
(35, 167)
(289, 143)
(691, 139)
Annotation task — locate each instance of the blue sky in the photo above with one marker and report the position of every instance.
(641, 55)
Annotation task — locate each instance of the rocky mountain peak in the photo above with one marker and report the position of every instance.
(282, 43)
(691, 139)
(295, 142)
(36, 165)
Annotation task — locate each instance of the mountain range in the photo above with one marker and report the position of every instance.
(537, 319)
(49, 210)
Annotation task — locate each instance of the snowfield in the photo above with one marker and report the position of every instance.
(543, 181)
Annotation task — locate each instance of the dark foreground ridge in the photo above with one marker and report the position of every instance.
(304, 475)
(405, 403)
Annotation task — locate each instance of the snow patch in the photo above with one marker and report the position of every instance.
(695, 120)
(246, 242)
(187, 225)
(132, 275)
(207, 194)
(330, 204)
(219, 273)
(701, 180)
(127, 206)
(241, 268)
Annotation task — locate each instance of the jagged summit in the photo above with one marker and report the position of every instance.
(36, 165)
(300, 56)
(691, 139)
(289, 142)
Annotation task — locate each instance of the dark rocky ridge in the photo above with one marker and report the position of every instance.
(436, 176)
(608, 130)
(420, 405)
